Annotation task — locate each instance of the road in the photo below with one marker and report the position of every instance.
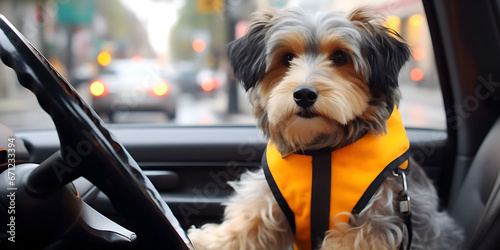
(420, 107)
(23, 112)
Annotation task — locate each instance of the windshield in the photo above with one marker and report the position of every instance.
(163, 62)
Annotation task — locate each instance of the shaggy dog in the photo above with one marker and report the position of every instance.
(326, 81)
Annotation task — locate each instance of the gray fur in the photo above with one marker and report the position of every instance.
(433, 229)
(250, 56)
(314, 28)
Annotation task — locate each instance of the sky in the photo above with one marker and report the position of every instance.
(158, 16)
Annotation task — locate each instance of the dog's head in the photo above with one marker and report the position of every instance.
(319, 80)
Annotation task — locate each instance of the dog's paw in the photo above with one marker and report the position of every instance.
(196, 236)
(208, 238)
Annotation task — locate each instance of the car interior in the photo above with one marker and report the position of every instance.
(187, 167)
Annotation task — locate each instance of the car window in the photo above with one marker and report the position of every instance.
(163, 61)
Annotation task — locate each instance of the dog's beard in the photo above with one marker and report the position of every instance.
(300, 133)
(339, 102)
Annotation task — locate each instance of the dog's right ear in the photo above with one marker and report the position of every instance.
(385, 50)
(248, 53)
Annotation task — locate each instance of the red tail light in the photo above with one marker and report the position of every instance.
(417, 74)
(208, 84)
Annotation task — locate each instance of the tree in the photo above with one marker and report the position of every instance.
(190, 23)
(125, 29)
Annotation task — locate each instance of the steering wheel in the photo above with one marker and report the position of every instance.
(49, 208)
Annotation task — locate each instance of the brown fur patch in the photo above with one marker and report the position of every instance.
(332, 43)
(291, 44)
(342, 96)
(364, 15)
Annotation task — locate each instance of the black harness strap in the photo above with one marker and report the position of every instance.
(393, 166)
(367, 195)
(404, 206)
(409, 229)
(320, 197)
(277, 194)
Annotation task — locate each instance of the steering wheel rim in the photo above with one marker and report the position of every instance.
(88, 148)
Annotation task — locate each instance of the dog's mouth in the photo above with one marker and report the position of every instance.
(307, 114)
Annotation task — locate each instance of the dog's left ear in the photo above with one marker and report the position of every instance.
(384, 49)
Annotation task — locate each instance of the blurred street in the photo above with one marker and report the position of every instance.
(186, 39)
(23, 112)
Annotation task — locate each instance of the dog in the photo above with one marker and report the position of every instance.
(324, 89)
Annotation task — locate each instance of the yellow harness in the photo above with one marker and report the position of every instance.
(300, 183)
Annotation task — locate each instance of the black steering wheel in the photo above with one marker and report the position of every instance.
(49, 209)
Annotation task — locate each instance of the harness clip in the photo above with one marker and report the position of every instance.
(404, 204)
(404, 199)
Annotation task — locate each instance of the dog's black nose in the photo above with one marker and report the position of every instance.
(305, 96)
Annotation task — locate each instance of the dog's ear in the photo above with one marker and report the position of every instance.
(384, 49)
(248, 53)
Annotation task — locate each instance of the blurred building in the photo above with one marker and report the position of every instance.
(407, 17)
(71, 33)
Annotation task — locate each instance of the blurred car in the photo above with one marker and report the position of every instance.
(210, 80)
(133, 85)
(185, 73)
(197, 81)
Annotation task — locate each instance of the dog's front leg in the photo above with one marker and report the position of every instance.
(355, 238)
(378, 226)
(252, 220)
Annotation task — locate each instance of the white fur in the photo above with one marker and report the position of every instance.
(252, 220)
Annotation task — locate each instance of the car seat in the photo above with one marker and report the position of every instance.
(477, 206)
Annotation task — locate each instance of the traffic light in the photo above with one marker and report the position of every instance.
(199, 45)
(104, 58)
(210, 6)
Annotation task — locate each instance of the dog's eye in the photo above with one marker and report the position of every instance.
(287, 59)
(339, 58)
